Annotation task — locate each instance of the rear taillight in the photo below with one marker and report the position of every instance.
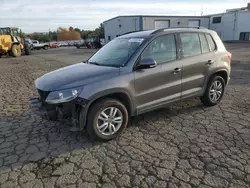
(229, 56)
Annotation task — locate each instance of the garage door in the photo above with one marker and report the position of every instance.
(193, 23)
(162, 24)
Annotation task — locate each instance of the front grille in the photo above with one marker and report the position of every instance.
(43, 94)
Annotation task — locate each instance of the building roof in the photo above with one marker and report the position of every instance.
(158, 16)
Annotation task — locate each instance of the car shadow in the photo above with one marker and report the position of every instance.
(30, 139)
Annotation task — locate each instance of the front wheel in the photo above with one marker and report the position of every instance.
(16, 50)
(214, 91)
(107, 119)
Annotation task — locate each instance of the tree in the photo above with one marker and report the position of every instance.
(78, 30)
(100, 31)
(68, 34)
(22, 34)
(42, 37)
(53, 35)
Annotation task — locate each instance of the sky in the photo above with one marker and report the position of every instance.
(45, 15)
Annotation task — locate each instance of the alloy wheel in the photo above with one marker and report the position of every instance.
(109, 121)
(215, 91)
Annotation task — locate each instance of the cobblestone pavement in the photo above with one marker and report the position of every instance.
(183, 145)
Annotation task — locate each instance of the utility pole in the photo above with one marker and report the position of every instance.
(201, 9)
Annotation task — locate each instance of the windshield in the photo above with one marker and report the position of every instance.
(116, 53)
(4, 31)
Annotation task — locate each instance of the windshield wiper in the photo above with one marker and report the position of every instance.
(93, 63)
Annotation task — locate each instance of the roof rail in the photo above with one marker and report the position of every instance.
(129, 32)
(164, 29)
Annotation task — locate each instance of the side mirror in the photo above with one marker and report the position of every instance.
(147, 63)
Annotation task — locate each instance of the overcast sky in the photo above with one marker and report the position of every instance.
(42, 15)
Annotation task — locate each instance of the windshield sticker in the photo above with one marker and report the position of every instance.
(139, 40)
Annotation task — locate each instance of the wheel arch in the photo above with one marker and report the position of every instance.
(121, 96)
(15, 43)
(221, 72)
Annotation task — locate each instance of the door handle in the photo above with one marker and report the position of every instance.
(209, 62)
(176, 70)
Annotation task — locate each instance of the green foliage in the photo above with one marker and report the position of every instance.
(42, 37)
(78, 30)
(98, 32)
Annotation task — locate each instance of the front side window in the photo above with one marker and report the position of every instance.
(190, 44)
(117, 52)
(162, 49)
(204, 43)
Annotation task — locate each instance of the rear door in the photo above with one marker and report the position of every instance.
(157, 86)
(197, 60)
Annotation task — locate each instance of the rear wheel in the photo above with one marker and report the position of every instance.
(214, 91)
(27, 50)
(107, 119)
(45, 47)
(16, 50)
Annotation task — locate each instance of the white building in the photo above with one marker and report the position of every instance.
(123, 24)
(234, 24)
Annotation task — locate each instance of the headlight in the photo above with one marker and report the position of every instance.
(63, 96)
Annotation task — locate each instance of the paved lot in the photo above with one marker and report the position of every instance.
(183, 145)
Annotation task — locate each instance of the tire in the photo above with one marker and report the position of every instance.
(27, 50)
(207, 99)
(105, 105)
(45, 47)
(16, 50)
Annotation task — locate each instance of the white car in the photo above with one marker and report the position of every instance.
(38, 46)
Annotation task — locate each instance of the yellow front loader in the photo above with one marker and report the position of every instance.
(10, 42)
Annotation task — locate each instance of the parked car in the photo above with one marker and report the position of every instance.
(37, 45)
(53, 45)
(61, 44)
(80, 44)
(134, 74)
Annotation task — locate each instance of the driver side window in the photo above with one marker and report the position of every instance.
(162, 49)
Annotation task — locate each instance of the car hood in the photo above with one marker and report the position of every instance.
(74, 76)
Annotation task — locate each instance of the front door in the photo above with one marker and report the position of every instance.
(157, 86)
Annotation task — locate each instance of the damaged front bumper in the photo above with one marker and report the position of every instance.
(56, 112)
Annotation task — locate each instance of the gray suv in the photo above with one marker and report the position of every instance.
(133, 74)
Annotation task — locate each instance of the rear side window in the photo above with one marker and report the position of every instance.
(204, 43)
(211, 43)
(191, 44)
